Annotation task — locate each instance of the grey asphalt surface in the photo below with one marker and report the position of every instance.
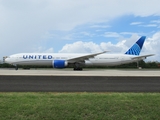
(15, 83)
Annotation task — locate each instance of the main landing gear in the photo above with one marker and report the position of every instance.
(77, 67)
(138, 65)
(16, 67)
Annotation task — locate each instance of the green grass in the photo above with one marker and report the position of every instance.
(81, 106)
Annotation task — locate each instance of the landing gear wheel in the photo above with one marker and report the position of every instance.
(78, 69)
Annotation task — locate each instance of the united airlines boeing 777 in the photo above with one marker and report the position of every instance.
(78, 61)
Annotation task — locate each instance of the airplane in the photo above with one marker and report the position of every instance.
(78, 61)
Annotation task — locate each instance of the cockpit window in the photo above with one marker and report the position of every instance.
(5, 57)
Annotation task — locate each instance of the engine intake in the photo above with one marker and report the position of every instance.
(59, 63)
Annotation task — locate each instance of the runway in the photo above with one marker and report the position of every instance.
(78, 81)
(85, 72)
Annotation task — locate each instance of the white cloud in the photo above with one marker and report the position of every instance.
(43, 50)
(113, 48)
(151, 46)
(100, 26)
(136, 23)
(149, 25)
(111, 34)
(155, 21)
(127, 33)
(24, 24)
(87, 34)
(68, 37)
(81, 47)
(91, 47)
(50, 50)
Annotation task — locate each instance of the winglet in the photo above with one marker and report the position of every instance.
(136, 48)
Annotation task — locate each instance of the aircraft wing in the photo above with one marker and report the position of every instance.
(143, 56)
(85, 57)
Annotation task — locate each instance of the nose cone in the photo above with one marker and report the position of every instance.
(6, 60)
(3, 60)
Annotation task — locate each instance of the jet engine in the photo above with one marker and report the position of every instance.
(59, 63)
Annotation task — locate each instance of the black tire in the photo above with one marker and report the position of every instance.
(77, 69)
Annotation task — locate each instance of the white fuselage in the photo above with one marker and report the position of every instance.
(48, 58)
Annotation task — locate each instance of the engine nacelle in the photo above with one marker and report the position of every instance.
(59, 63)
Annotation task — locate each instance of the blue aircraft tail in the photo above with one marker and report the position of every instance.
(136, 48)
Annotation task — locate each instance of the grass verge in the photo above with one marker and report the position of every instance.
(81, 106)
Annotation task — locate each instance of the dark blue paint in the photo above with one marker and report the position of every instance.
(136, 48)
(58, 63)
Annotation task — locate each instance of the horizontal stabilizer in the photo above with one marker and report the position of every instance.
(143, 56)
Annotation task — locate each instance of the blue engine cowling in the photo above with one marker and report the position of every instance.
(59, 63)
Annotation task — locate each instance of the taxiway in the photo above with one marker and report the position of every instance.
(89, 80)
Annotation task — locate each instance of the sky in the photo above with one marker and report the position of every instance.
(79, 26)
